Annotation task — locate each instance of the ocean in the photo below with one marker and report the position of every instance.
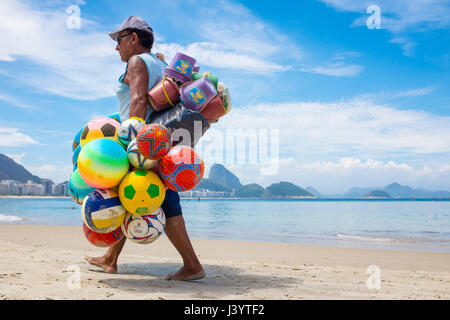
(377, 224)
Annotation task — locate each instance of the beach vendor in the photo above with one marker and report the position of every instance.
(143, 71)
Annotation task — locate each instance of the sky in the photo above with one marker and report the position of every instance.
(328, 93)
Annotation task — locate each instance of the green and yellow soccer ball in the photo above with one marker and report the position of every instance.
(142, 192)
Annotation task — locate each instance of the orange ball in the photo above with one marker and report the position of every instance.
(181, 169)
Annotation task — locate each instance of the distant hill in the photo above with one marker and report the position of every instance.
(285, 189)
(11, 170)
(377, 194)
(396, 190)
(314, 192)
(221, 175)
(399, 191)
(212, 185)
(252, 190)
(357, 192)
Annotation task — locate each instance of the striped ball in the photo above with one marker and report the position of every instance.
(181, 169)
(102, 211)
(78, 189)
(103, 163)
(154, 141)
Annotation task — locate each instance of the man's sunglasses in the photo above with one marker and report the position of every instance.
(123, 36)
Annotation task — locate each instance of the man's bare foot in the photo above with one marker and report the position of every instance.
(102, 263)
(186, 274)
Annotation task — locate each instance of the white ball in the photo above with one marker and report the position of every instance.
(144, 229)
(129, 129)
(136, 158)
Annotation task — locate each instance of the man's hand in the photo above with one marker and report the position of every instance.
(160, 56)
(138, 78)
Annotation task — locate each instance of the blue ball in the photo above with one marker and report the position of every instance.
(115, 116)
(78, 189)
(76, 140)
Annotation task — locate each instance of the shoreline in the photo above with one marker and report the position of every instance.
(33, 197)
(236, 198)
(37, 260)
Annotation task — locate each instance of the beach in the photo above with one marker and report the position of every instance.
(46, 262)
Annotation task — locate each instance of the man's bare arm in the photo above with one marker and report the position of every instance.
(138, 78)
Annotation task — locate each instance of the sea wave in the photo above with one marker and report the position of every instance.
(343, 236)
(4, 218)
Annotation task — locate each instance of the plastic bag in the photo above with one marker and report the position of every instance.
(187, 126)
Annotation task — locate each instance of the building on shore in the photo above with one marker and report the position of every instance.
(30, 188)
(205, 193)
(12, 187)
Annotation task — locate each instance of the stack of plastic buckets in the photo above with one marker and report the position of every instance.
(199, 92)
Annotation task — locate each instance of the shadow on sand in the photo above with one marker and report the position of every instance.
(219, 281)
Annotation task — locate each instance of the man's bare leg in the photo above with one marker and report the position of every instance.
(175, 230)
(108, 262)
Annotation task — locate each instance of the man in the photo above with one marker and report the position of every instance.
(144, 70)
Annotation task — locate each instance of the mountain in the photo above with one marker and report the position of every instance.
(285, 189)
(377, 194)
(212, 185)
(223, 176)
(396, 190)
(11, 170)
(314, 192)
(357, 192)
(252, 190)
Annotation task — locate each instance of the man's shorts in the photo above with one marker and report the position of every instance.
(171, 204)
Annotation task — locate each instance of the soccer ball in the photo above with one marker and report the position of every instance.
(142, 192)
(102, 211)
(136, 158)
(129, 129)
(181, 169)
(103, 239)
(154, 141)
(144, 229)
(100, 127)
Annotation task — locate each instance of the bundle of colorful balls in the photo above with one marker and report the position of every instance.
(120, 176)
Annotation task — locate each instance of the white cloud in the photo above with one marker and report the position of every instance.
(400, 16)
(389, 95)
(340, 134)
(57, 173)
(352, 126)
(406, 45)
(83, 64)
(337, 177)
(17, 157)
(213, 55)
(15, 102)
(80, 64)
(11, 137)
(336, 69)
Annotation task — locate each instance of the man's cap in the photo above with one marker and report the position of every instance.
(133, 22)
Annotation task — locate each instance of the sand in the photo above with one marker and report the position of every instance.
(43, 262)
